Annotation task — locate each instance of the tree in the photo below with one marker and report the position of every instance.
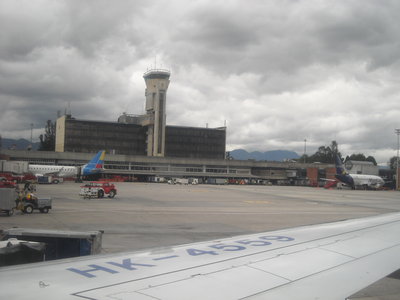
(371, 159)
(48, 140)
(335, 148)
(361, 157)
(228, 156)
(325, 154)
(393, 162)
(304, 158)
(358, 157)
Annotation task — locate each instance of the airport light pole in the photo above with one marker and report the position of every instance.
(397, 131)
(31, 131)
(305, 149)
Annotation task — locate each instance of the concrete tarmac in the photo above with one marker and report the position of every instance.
(148, 215)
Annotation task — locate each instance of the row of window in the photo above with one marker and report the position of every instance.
(177, 169)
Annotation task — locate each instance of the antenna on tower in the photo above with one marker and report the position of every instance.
(67, 110)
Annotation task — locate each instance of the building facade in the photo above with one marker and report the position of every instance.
(361, 167)
(131, 139)
(145, 134)
(194, 142)
(90, 136)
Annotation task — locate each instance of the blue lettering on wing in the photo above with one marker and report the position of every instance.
(220, 248)
(128, 264)
(166, 257)
(87, 272)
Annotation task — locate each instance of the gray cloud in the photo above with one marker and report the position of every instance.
(276, 71)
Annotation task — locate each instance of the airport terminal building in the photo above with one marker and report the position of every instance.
(151, 168)
(145, 134)
(145, 148)
(131, 139)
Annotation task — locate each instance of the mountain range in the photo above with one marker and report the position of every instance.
(21, 144)
(273, 155)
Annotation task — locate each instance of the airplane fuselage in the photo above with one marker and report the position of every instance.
(361, 180)
(94, 166)
(60, 171)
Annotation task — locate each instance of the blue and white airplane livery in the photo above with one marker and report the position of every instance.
(94, 166)
(356, 180)
(331, 261)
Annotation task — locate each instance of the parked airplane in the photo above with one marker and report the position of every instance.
(330, 261)
(95, 165)
(357, 180)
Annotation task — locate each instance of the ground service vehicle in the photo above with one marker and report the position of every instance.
(30, 203)
(178, 181)
(49, 179)
(12, 198)
(98, 189)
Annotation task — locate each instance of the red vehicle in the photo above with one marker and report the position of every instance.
(7, 184)
(16, 178)
(9, 177)
(98, 189)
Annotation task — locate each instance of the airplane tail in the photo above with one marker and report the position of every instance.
(340, 170)
(341, 174)
(95, 165)
(97, 162)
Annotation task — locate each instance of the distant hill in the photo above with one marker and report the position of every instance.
(21, 144)
(274, 155)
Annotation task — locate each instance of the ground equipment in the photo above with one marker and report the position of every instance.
(29, 202)
(98, 189)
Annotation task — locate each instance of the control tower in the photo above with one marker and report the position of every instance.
(157, 81)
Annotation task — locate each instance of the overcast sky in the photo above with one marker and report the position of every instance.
(277, 72)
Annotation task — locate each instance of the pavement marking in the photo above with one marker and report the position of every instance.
(256, 202)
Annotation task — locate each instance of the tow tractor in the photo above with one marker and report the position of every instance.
(98, 189)
(30, 203)
(11, 198)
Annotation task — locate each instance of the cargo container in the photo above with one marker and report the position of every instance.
(182, 181)
(217, 181)
(60, 244)
(16, 252)
(15, 167)
(7, 200)
(220, 181)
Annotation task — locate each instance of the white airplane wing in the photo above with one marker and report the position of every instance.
(328, 261)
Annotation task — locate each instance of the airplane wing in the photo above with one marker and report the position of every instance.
(328, 261)
(55, 173)
(328, 179)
